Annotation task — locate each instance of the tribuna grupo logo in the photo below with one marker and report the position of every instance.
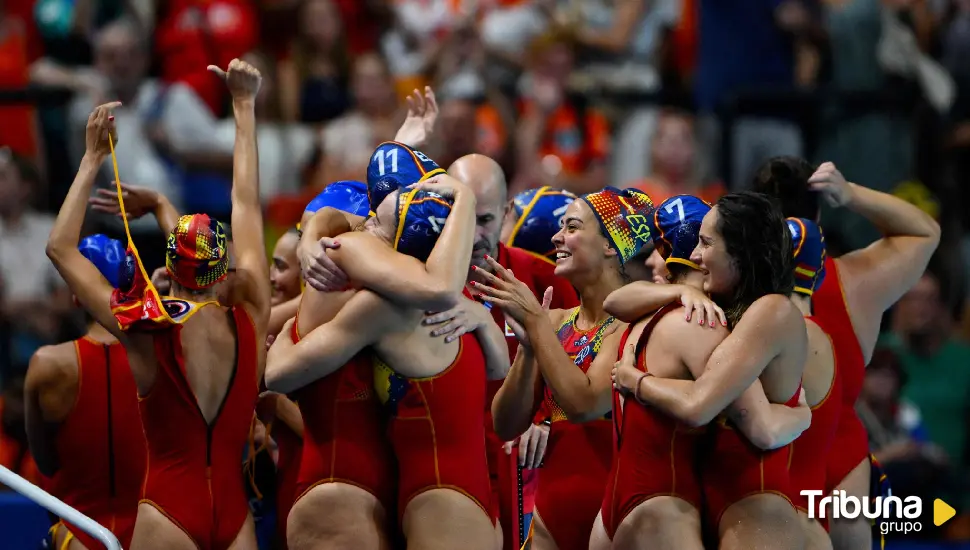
(893, 514)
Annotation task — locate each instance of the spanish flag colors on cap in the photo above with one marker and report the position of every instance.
(136, 302)
(624, 217)
(808, 249)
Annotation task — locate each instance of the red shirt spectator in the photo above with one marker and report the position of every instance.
(18, 130)
(193, 34)
(362, 24)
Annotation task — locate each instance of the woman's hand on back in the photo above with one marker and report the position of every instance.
(707, 312)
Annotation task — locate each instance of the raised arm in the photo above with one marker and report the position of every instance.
(328, 347)
(435, 285)
(138, 202)
(768, 326)
(81, 276)
(252, 269)
(877, 276)
(638, 299)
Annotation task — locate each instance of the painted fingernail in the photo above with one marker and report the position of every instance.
(712, 324)
(724, 323)
(700, 321)
(474, 268)
(487, 257)
(111, 118)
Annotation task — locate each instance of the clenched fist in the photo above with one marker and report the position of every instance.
(241, 78)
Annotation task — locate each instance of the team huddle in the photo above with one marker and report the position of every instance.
(424, 354)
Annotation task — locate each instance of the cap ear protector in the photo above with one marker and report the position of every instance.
(808, 250)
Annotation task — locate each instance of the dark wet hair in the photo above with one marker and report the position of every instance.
(756, 237)
(785, 179)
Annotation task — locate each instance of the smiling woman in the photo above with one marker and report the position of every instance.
(284, 272)
(745, 251)
(569, 354)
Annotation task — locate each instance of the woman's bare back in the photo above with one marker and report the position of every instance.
(411, 350)
(209, 349)
(819, 372)
(783, 374)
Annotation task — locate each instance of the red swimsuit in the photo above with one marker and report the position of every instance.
(578, 456)
(736, 469)
(654, 454)
(513, 488)
(101, 444)
(343, 432)
(195, 475)
(851, 438)
(811, 450)
(290, 448)
(437, 427)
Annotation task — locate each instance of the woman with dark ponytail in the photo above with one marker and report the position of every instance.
(745, 252)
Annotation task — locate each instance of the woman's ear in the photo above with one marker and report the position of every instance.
(609, 251)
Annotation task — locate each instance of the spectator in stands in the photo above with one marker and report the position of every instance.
(509, 26)
(475, 114)
(121, 57)
(935, 363)
(190, 35)
(675, 163)
(313, 78)
(869, 139)
(956, 57)
(624, 44)
(749, 46)
(421, 32)
(285, 149)
(349, 140)
(561, 140)
(34, 301)
(19, 47)
(897, 436)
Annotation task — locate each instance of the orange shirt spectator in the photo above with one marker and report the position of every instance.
(18, 130)
(193, 34)
(674, 161)
(492, 136)
(577, 137)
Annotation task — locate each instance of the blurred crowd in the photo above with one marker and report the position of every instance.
(669, 96)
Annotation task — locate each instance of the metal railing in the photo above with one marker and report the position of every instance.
(57, 507)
